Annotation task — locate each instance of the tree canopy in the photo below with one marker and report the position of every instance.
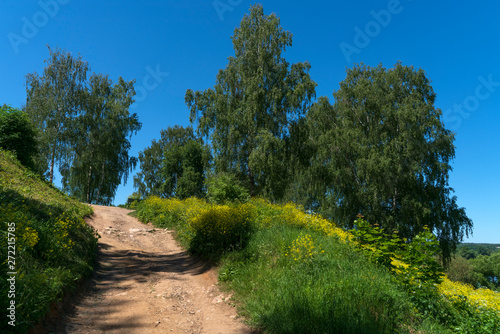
(383, 152)
(53, 100)
(101, 147)
(173, 166)
(84, 125)
(256, 99)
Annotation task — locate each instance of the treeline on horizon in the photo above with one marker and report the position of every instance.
(379, 149)
(477, 265)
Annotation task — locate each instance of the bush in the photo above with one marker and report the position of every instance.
(461, 270)
(411, 263)
(224, 188)
(220, 228)
(17, 134)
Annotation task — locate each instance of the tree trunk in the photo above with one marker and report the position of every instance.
(251, 180)
(88, 184)
(100, 183)
(90, 174)
(52, 162)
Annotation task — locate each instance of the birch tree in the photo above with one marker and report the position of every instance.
(247, 114)
(381, 150)
(54, 99)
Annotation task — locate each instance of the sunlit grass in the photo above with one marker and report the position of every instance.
(293, 272)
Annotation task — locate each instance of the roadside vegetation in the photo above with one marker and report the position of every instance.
(54, 247)
(293, 272)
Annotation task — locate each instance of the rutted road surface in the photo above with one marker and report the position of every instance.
(145, 283)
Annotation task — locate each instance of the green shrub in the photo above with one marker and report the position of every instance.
(220, 228)
(224, 188)
(461, 270)
(412, 263)
(17, 134)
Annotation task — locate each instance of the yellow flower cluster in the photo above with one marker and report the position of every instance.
(29, 238)
(62, 228)
(292, 214)
(168, 208)
(193, 206)
(26, 236)
(221, 221)
(303, 249)
(477, 298)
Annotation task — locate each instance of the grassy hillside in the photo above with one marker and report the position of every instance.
(44, 242)
(293, 272)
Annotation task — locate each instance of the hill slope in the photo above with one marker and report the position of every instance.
(293, 272)
(45, 245)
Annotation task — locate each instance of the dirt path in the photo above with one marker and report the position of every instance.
(145, 283)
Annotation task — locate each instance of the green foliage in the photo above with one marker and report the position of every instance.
(485, 321)
(84, 126)
(53, 101)
(18, 135)
(54, 246)
(223, 188)
(467, 252)
(476, 320)
(461, 270)
(257, 98)
(173, 166)
(185, 160)
(382, 151)
(266, 249)
(471, 251)
(149, 180)
(220, 229)
(412, 263)
(103, 131)
(488, 270)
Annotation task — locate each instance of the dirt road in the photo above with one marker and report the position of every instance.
(145, 283)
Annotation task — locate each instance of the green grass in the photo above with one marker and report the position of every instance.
(293, 273)
(335, 290)
(54, 246)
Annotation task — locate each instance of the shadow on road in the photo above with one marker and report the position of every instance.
(118, 268)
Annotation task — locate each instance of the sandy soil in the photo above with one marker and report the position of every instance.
(145, 283)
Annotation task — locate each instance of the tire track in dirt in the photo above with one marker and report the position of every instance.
(145, 283)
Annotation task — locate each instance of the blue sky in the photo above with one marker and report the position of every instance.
(171, 46)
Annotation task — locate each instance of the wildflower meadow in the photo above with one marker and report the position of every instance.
(294, 272)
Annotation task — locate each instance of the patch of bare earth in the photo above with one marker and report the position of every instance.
(145, 283)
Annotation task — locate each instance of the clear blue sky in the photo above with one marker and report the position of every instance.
(184, 44)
